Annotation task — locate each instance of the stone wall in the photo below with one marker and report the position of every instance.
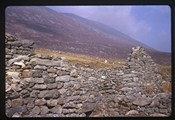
(49, 86)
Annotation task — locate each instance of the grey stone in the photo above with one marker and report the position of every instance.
(16, 115)
(68, 84)
(52, 102)
(126, 89)
(65, 78)
(52, 85)
(155, 102)
(39, 87)
(132, 113)
(27, 43)
(47, 94)
(44, 110)
(17, 102)
(18, 58)
(51, 70)
(7, 87)
(40, 102)
(57, 109)
(74, 73)
(128, 75)
(14, 95)
(87, 107)
(14, 75)
(141, 101)
(158, 115)
(37, 73)
(60, 85)
(17, 109)
(30, 105)
(44, 62)
(36, 80)
(40, 67)
(21, 64)
(26, 74)
(62, 90)
(34, 93)
(35, 111)
(61, 100)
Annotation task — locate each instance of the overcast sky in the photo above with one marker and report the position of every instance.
(148, 24)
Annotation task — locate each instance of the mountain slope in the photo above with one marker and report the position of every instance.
(71, 33)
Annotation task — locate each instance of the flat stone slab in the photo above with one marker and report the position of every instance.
(141, 101)
(48, 94)
(43, 62)
(64, 78)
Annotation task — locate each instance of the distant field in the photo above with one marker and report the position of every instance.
(95, 62)
(82, 60)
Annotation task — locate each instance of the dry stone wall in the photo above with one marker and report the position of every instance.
(49, 86)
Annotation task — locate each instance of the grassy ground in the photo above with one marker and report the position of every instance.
(95, 62)
(164, 69)
(82, 60)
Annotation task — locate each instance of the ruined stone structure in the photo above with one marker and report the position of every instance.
(49, 86)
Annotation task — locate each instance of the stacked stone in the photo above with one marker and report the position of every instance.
(139, 60)
(48, 86)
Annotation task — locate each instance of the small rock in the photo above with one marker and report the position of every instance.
(14, 95)
(65, 78)
(30, 105)
(158, 115)
(16, 115)
(132, 113)
(129, 75)
(47, 94)
(39, 102)
(62, 91)
(17, 102)
(36, 80)
(87, 107)
(52, 102)
(40, 67)
(52, 86)
(155, 102)
(60, 85)
(37, 74)
(17, 109)
(51, 70)
(113, 113)
(26, 74)
(7, 87)
(14, 75)
(126, 89)
(141, 101)
(103, 77)
(39, 87)
(92, 78)
(74, 73)
(21, 64)
(57, 109)
(18, 58)
(34, 93)
(77, 86)
(44, 110)
(61, 101)
(35, 111)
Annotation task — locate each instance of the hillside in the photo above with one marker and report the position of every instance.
(70, 33)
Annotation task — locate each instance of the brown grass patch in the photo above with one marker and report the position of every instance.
(166, 86)
(164, 69)
(82, 60)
